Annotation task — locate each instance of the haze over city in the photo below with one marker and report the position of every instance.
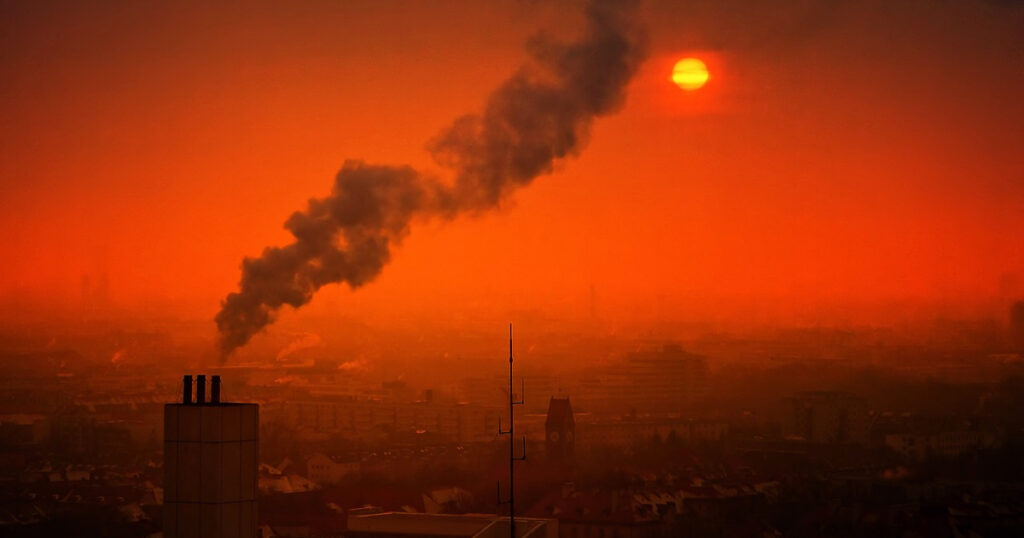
(825, 173)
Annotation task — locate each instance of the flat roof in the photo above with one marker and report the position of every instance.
(414, 523)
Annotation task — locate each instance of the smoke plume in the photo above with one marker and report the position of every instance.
(539, 115)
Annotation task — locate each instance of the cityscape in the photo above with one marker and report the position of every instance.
(586, 269)
(768, 438)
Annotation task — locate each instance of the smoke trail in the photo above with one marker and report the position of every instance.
(538, 116)
(304, 341)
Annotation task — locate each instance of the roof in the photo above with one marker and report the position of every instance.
(434, 524)
(455, 525)
(592, 506)
(559, 413)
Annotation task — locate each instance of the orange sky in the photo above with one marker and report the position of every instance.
(845, 156)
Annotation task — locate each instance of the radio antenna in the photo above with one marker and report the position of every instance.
(512, 458)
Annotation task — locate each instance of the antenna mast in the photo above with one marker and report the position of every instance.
(512, 458)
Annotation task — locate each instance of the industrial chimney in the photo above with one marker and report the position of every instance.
(186, 395)
(210, 465)
(200, 389)
(215, 390)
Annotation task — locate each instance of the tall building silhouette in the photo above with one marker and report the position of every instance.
(210, 465)
(828, 417)
(560, 430)
(1017, 326)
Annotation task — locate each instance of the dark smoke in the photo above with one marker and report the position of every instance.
(540, 115)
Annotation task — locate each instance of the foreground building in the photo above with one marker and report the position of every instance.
(210, 465)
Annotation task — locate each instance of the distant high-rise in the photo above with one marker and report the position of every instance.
(669, 380)
(828, 417)
(1017, 326)
(210, 465)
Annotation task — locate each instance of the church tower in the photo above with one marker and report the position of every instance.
(560, 442)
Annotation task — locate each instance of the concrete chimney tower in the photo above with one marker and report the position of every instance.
(210, 466)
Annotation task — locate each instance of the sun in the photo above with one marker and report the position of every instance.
(690, 74)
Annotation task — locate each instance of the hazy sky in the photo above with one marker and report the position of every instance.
(843, 154)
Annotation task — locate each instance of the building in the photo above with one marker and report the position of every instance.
(947, 444)
(372, 523)
(828, 417)
(626, 433)
(368, 419)
(210, 465)
(23, 430)
(666, 381)
(706, 510)
(324, 469)
(602, 513)
(1017, 326)
(560, 431)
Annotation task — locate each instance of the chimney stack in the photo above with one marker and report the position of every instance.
(200, 389)
(186, 396)
(215, 390)
(217, 500)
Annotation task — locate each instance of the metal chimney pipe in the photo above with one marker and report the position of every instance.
(186, 395)
(200, 389)
(215, 389)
